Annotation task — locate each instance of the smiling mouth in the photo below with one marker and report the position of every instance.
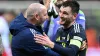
(62, 21)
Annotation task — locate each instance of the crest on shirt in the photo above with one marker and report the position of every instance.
(33, 31)
(63, 38)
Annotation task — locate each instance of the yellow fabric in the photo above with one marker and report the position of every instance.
(64, 44)
(58, 39)
(75, 42)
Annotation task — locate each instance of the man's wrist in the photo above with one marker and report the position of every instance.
(51, 45)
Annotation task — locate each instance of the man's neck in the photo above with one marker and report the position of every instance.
(69, 25)
(29, 21)
(33, 22)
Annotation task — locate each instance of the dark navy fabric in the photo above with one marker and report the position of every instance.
(23, 43)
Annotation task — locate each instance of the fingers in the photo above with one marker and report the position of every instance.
(39, 37)
(42, 39)
(38, 40)
(84, 45)
(45, 34)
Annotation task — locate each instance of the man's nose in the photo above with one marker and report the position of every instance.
(60, 14)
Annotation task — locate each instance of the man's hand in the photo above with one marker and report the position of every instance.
(44, 40)
(84, 45)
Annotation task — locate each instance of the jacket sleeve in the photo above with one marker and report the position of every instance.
(68, 51)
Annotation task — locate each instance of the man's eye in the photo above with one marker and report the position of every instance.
(45, 15)
(65, 13)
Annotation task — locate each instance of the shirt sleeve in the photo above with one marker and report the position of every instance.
(68, 51)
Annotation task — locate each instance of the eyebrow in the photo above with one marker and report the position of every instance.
(65, 12)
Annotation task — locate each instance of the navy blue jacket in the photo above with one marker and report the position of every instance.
(23, 43)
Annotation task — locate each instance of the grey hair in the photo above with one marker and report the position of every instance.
(34, 8)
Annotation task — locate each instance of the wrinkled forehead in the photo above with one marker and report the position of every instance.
(65, 9)
(61, 0)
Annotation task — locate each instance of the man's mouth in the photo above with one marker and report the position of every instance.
(62, 21)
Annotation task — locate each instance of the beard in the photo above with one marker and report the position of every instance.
(65, 21)
(39, 22)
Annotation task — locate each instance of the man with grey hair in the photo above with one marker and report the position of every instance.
(24, 27)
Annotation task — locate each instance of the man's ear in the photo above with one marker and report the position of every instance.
(36, 16)
(75, 15)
